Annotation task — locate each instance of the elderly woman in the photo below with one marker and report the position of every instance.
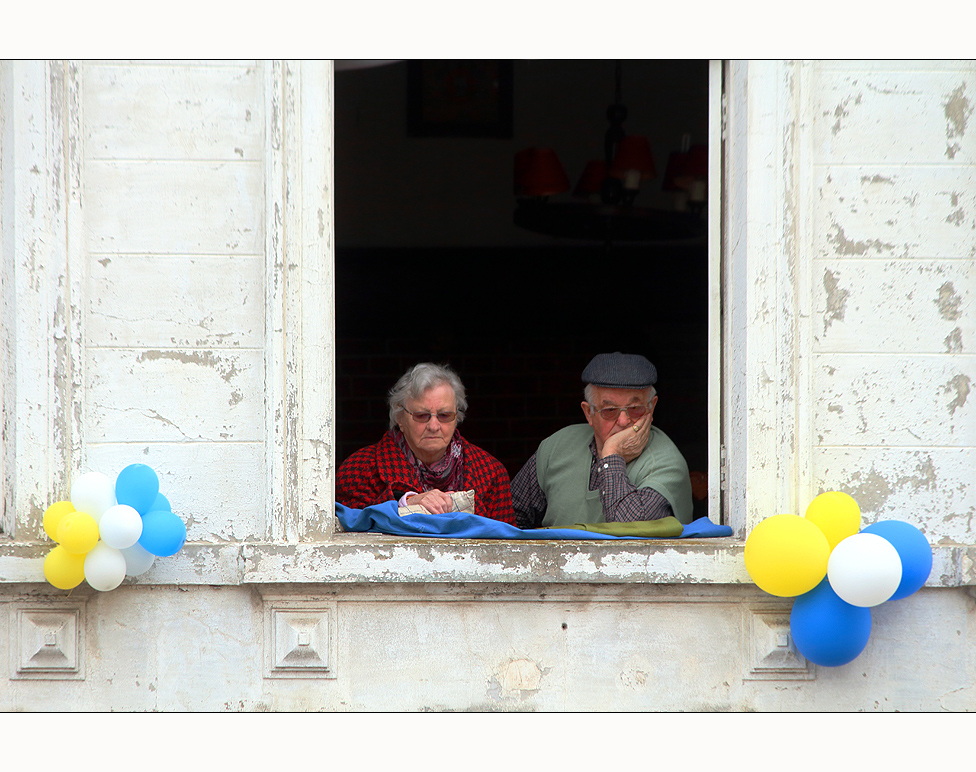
(423, 458)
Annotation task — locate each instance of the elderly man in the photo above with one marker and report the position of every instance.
(617, 468)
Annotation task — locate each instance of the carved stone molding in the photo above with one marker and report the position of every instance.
(299, 638)
(47, 640)
(769, 648)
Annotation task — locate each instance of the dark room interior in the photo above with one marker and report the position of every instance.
(431, 265)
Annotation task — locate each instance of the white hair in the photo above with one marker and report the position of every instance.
(414, 383)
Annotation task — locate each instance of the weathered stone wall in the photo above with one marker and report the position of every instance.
(893, 248)
(472, 647)
(167, 295)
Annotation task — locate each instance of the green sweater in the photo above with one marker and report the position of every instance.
(563, 469)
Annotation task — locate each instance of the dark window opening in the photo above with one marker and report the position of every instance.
(430, 265)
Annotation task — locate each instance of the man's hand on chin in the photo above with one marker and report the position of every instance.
(629, 442)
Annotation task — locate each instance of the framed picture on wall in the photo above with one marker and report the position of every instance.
(459, 98)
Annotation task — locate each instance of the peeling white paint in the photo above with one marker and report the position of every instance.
(172, 273)
(836, 299)
(957, 113)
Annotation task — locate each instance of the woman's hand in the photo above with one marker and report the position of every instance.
(434, 501)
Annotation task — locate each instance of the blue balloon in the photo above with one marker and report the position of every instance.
(827, 630)
(161, 502)
(163, 533)
(913, 549)
(137, 485)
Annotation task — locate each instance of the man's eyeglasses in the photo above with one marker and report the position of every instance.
(634, 412)
(423, 416)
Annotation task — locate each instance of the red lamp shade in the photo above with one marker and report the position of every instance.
(675, 175)
(684, 168)
(633, 155)
(591, 180)
(538, 172)
(698, 161)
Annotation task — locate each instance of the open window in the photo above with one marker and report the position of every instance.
(436, 259)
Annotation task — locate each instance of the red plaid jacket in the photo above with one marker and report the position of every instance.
(379, 473)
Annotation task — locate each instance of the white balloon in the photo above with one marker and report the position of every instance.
(864, 569)
(138, 559)
(104, 567)
(120, 526)
(93, 493)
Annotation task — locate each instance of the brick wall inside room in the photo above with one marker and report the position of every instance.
(519, 325)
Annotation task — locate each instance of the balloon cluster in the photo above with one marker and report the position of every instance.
(836, 571)
(107, 532)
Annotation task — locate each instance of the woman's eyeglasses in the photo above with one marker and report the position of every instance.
(424, 416)
(611, 413)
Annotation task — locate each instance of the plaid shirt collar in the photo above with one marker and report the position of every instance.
(393, 467)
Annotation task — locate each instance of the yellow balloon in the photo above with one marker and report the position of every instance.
(836, 514)
(53, 515)
(63, 569)
(78, 533)
(786, 555)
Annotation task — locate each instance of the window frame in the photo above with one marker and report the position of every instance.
(300, 543)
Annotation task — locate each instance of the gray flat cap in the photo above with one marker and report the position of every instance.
(620, 371)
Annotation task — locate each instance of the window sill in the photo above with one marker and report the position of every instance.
(375, 558)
